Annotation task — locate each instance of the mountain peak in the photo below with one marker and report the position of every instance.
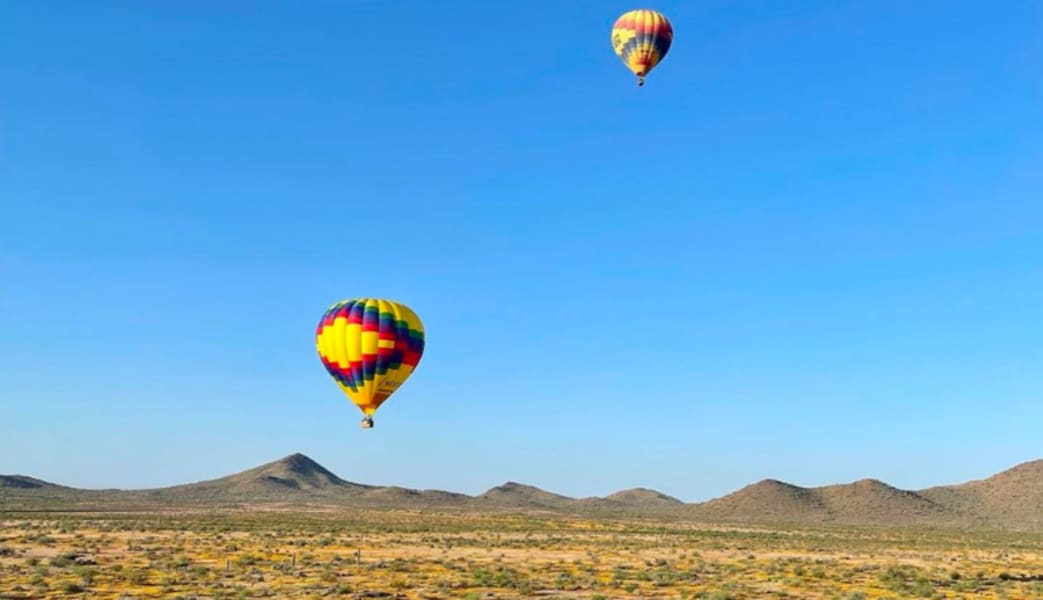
(868, 482)
(773, 484)
(515, 487)
(295, 471)
(298, 463)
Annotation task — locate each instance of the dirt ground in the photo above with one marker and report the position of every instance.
(404, 555)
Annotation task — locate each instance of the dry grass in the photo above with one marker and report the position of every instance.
(404, 555)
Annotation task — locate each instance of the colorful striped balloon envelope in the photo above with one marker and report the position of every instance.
(370, 346)
(641, 38)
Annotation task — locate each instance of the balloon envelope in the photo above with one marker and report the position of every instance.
(641, 38)
(369, 346)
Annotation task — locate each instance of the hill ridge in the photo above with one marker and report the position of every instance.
(24, 482)
(1009, 499)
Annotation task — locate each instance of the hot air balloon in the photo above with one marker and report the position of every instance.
(641, 38)
(369, 346)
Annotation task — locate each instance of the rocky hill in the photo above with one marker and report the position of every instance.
(866, 501)
(1012, 499)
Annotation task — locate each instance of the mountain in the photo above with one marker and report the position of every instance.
(769, 500)
(284, 477)
(24, 483)
(20, 490)
(517, 495)
(631, 502)
(866, 501)
(1012, 499)
(644, 497)
(873, 501)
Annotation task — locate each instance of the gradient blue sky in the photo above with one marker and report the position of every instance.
(809, 249)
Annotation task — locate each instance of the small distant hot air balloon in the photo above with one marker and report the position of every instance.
(369, 346)
(641, 38)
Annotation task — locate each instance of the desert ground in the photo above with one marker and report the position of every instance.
(427, 555)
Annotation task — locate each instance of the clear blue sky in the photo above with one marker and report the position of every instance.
(809, 248)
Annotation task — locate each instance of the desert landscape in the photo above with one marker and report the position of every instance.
(686, 301)
(293, 529)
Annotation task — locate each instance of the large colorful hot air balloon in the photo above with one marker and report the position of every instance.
(641, 38)
(370, 346)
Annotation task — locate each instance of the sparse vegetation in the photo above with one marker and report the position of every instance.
(416, 555)
(305, 533)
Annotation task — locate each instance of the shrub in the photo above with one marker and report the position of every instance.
(923, 588)
(71, 587)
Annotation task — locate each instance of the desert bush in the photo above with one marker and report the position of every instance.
(71, 587)
(923, 587)
(86, 574)
(564, 580)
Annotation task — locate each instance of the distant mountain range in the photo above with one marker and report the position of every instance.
(1012, 499)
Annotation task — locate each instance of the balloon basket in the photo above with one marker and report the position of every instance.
(366, 423)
